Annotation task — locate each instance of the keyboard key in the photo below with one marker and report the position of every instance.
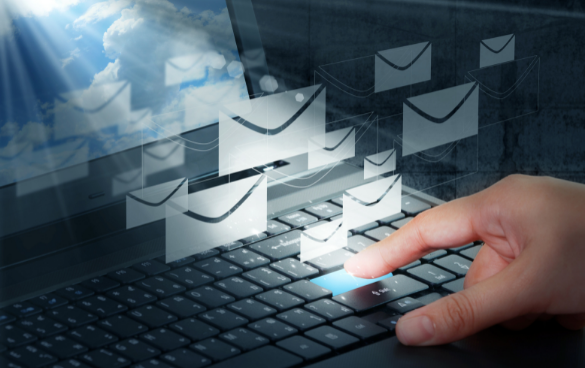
(274, 227)
(294, 269)
(412, 206)
(364, 228)
(253, 238)
(185, 358)
(48, 301)
(340, 281)
(297, 219)
(244, 339)
(135, 350)
(463, 247)
(210, 297)
(359, 327)
(152, 363)
(324, 210)
(92, 336)
(264, 357)
(8, 364)
(454, 286)
(380, 233)
(471, 253)
(185, 261)
(215, 349)
(160, 286)
(405, 305)
(301, 319)
(380, 292)
(194, 329)
(31, 356)
(164, 339)
(151, 268)
(72, 363)
(189, 277)
(429, 298)
(332, 337)
(456, 264)
(72, 316)
(390, 323)
(246, 259)
(230, 246)
(332, 260)
(434, 255)
(181, 306)
(122, 326)
(41, 326)
(2, 348)
(252, 309)
(75, 292)
(23, 309)
(431, 274)
(358, 243)
(102, 306)
(218, 267)
(281, 246)
(62, 346)
(280, 300)
(266, 278)
(152, 316)
(131, 296)
(301, 346)
(223, 319)
(126, 276)
(238, 287)
(206, 254)
(410, 265)
(329, 309)
(273, 329)
(103, 358)
(388, 220)
(5, 318)
(400, 223)
(307, 290)
(100, 284)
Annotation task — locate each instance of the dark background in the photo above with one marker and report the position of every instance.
(300, 35)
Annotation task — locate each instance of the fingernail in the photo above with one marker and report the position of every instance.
(352, 265)
(415, 330)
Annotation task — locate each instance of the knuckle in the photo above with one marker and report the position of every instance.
(459, 314)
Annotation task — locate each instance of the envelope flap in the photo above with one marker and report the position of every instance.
(402, 56)
(497, 79)
(381, 157)
(497, 44)
(326, 230)
(333, 139)
(98, 97)
(161, 192)
(202, 59)
(371, 192)
(441, 103)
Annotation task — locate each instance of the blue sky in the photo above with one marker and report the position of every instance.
(83, 79)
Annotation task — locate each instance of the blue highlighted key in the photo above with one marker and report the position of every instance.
(340, 281)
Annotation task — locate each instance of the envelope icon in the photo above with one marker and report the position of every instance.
(320, 240)
(147, 205)
(496, 50)
(126, 182)
(371, 202)
(188, 68)
(98, 107)
(403, 66)
(331, 147)
(161, 156)
(439, 117)
(379, 164)
(217, 216)
(269, 128)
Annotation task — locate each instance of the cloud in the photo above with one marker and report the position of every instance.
(78, 38)
(108, 75)
(186, 11)
(100, 11)
(72, 56)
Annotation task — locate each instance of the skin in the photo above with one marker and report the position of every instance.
(532, 265)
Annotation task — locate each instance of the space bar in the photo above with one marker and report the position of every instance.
(266, 357)
(380, 292)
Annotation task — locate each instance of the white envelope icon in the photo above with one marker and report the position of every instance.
(371, 202)
(269, 128)
(439, 117)
(191, 67)
(162, 156)
(91, 110)
(126, 182)
(496, 50)
(379, 164)
(331, 147)
(320, 240)
(217, 216)
(147, 205)
(403, 66)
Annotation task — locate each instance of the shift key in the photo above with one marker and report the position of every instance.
(378, 293)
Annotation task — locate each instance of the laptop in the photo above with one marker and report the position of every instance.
(167, 202)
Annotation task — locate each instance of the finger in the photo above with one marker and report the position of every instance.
(572, 321)
(448, 225)
(520, 323)
(486, 264)
(485, 304)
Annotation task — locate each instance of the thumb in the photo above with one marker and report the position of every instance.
(458, 315)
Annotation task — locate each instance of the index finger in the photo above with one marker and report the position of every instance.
(446, 226)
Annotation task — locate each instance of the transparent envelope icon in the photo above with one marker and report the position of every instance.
(320, 240)
(191, 67)
(147, 205)
(439, 117)
(403, 66)
(379, 163)
(162, 156)
(332, 147)
(216, 216)
(496, 50)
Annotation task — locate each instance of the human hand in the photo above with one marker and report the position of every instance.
(531, 266)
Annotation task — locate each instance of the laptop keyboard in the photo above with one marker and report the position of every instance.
(249, 302)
